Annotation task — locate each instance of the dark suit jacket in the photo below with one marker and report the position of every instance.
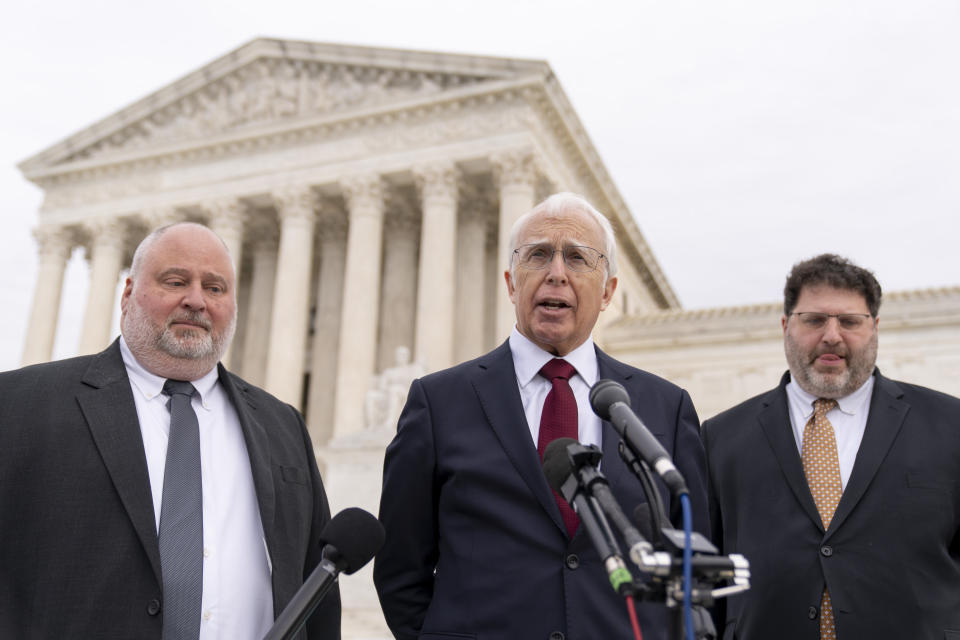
(476, 547)
(891, 557)
(79, 556)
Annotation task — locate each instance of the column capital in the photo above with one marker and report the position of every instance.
(227, 212)
(515, 167)
(363, 193)
(437, 180)
(160, 216)
(295, 202)
(54, 241)
(111, 232)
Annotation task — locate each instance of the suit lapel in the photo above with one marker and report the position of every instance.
(111, 415)
(258, 449)
(887, 413)
(775, 421)
(608, 368)
(496, 387)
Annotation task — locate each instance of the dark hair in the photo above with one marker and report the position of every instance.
(834, 271)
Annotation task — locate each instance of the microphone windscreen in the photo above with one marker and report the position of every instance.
(606, 393)
(556, 463)
(356, 534)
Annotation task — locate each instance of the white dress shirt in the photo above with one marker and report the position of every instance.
(237, 598)
(528, 359)
(849, 420)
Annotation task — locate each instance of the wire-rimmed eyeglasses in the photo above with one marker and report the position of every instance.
(814, 320)
(539, 256)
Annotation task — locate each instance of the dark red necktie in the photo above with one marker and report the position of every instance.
(559, 420)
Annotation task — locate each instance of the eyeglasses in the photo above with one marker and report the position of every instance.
(815, 320)
(539, 256)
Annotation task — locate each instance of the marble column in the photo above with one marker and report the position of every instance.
(259, 309)
(227, 219)
(438, 265)
(358, 325)
(291, 301)
(472, 273)
(53, 247)
(515, 174)
(108, 244)
(326, 326)
(398, 296)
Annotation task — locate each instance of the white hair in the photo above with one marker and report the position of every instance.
(565, 202)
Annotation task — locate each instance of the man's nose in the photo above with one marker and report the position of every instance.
(557, 269)
(831, 332)
(193, 297)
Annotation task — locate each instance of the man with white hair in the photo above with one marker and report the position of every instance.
(145, 491)
(477, 545)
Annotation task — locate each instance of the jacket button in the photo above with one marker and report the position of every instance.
(827, 551)
(572, 561)
(556, 635)
(154, 607)
(812, 613)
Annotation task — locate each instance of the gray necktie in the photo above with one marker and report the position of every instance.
(181, 518)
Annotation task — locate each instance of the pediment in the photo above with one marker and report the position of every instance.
(270, 82)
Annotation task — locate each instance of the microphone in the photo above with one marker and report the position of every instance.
(559, 468)
(351, 539)
(611, 402)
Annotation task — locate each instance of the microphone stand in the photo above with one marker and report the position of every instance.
(665, 565)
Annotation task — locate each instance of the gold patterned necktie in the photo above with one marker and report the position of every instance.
(821, 465)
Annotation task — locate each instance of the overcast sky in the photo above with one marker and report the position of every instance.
(744, 136)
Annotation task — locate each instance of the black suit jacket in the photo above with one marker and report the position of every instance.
(476, 547)
(79, 556)
(891, 557)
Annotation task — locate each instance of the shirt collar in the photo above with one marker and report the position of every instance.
(151, 385)
(851, 404)
(528, 359)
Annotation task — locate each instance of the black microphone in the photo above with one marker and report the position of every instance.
(351, 538)
(611, 402)
(559, 468)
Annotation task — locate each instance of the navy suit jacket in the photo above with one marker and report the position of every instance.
(891, 556)
(79, 556)
(476, 547)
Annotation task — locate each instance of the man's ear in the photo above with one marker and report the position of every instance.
(608, 290)
(125, 296)
(510, 290)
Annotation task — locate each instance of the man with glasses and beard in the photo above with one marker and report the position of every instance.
(145, 491)
(841, 487)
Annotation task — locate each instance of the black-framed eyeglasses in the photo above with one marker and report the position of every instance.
(814, 320)
(539, 256)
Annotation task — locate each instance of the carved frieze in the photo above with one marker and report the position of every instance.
(273, 90)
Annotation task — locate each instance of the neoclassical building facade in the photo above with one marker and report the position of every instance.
(366, 196)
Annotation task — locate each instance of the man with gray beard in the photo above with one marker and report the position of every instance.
(145, 491)
(841, 487)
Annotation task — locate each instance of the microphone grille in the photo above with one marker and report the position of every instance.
(356, 534)
(556, 463)
(604, 394)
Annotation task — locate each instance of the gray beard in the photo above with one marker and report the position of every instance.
(153, 344)
(859, 367)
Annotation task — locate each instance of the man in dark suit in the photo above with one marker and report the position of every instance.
(477, 544)
(841, 487)
(84, 545)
